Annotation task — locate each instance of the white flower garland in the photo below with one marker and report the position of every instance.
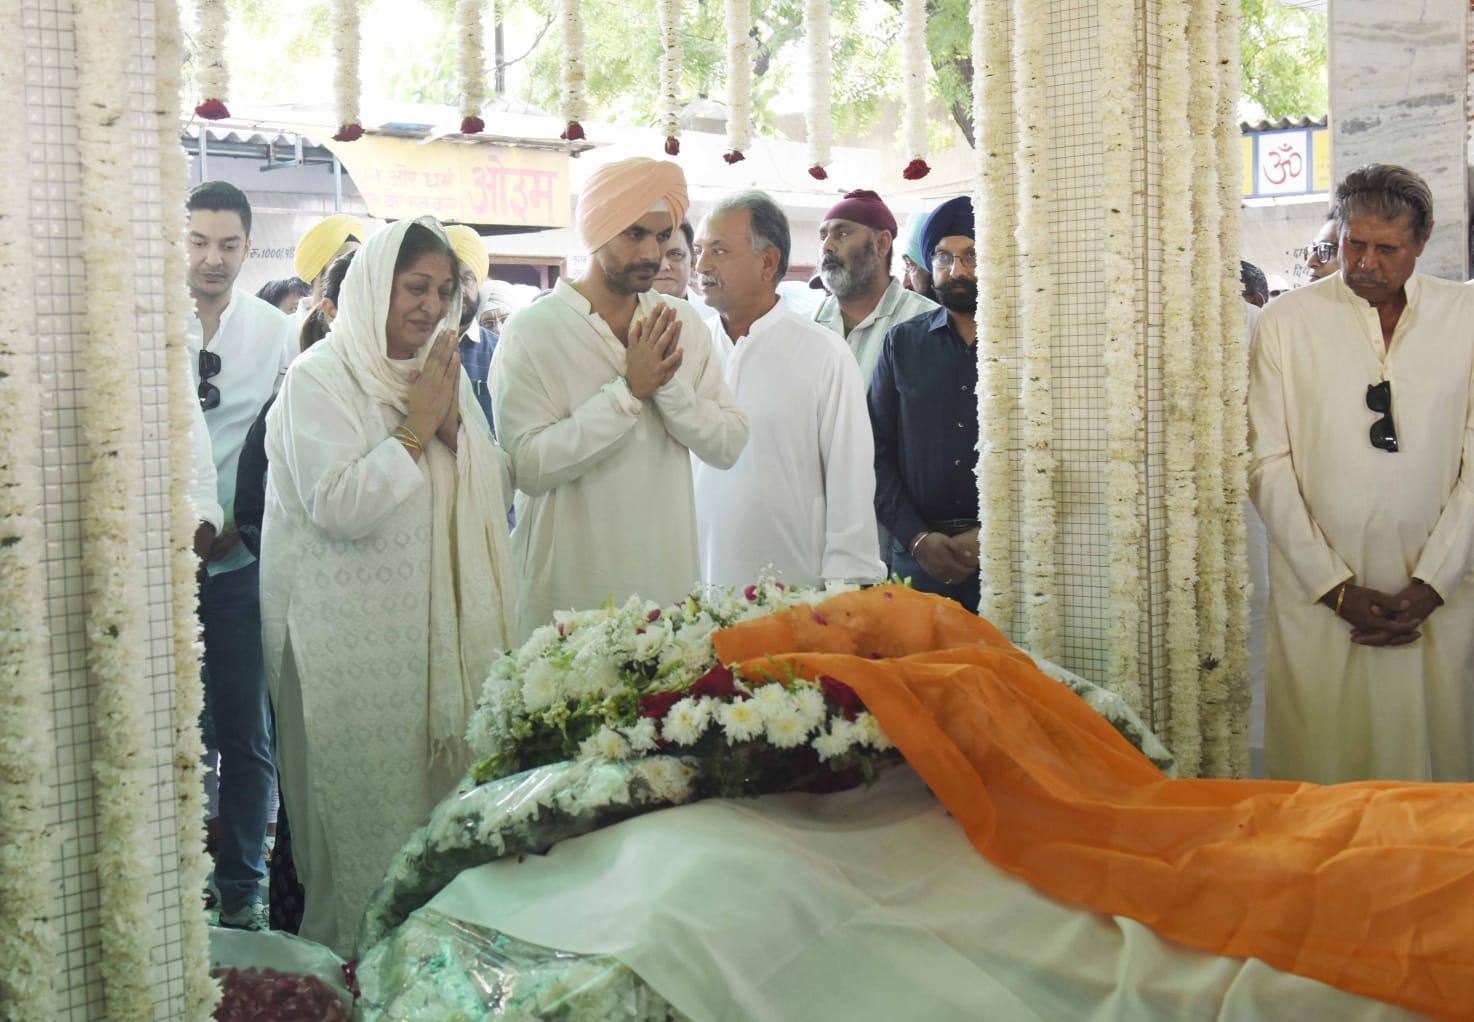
(1179, 390)
(201, 991)
(123, 764)
(212, 74)
(739, 79)
(574, 101)
(1122, 358)
(817, 15)
(27, 937)
(992, 200)
(1036, 326)
(347, 87)
(1235, 437)
(671, 62)
(913, 71)
(470, 65)
(1202, 46)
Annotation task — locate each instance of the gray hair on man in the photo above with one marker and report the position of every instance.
(768, 226)
(1387, 192)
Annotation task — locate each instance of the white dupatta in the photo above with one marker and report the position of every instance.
(472, 602)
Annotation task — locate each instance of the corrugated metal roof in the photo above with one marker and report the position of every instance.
(1285, 122)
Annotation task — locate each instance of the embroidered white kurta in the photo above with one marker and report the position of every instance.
(604, 479)
(801, 498)
(1337, 508)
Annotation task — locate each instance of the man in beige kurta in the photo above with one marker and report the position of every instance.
(603, 391)
(1371, 613)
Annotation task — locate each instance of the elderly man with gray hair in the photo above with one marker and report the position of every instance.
(1361, 419)
(801, 496)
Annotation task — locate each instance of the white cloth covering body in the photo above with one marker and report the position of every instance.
(1256, 545)
(897, 305)
(202, 492)
(256, 342)
(374, 656)
(604, 479)
(1338, 509)
(801, 498)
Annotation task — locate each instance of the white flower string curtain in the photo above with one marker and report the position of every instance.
(1112, 364)
(470, 65)
(212, 72)
(347, 88)
(817, 113)
(739, 79)
(671, 60)
(913, 77)
(573, 101)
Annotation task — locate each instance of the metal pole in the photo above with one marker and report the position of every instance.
(337, 185)
(204, 156)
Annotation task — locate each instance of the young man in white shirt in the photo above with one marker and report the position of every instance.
(241, 347)
(801, 496)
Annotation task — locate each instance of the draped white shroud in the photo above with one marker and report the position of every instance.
(386, 595)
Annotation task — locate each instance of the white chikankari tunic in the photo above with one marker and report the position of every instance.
(1338, 509)
(604, 479)
(802, 495)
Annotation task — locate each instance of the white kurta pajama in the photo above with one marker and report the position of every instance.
(1338, 509)
(801, 498)
(604, 479)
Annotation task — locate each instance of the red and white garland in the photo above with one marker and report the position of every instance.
(739, 79)
(913, 70)
(470, 65)
(212, 74)
(817, 15)
(347, 88)
(670, 74)
(570, 15)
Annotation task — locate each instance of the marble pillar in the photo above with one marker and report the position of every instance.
(1399, 86)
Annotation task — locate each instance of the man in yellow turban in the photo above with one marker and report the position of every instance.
(603, 390)
(325, 241)
(477, 343)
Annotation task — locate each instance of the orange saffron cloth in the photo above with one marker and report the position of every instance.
(1368, 887)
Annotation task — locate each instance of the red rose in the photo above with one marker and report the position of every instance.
(841, 695)
(472, 125)
(349, 133)
(916, 170)
(672, 146)
(572, 133)
(212, 110)
(751, 593)
(735, 156)
(818, 173)
(657, 704)
(716, 682)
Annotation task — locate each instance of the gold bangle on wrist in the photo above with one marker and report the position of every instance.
(406, 436)
(1340, 598)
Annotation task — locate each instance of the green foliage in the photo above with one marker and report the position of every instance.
(1284, 57)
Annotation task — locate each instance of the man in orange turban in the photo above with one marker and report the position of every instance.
(603, 391)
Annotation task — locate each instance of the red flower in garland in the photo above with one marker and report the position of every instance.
(716, 682)
(349, 133)
(818, 173)
(572, 133)
(212, 110)
(472, 125)
(672, 146)
(916, 170)
(658, 704)
(841, 695)
(735, 156)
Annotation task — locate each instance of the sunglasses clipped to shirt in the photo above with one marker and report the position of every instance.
(1383, 432)
(210, 367)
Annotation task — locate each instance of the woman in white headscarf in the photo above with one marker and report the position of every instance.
(385, 573)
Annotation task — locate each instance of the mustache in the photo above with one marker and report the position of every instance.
(831, 262)
(710, 280)
(642, 268)
(1367, 278)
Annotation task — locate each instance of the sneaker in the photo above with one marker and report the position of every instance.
(252, 917)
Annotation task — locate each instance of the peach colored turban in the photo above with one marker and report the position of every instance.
(618, 194)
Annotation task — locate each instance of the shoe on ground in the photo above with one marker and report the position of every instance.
(252, 917)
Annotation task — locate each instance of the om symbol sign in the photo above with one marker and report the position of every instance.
(1283, 164)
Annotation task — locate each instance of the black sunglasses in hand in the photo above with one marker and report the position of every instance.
(209, 393)
(1383, 432)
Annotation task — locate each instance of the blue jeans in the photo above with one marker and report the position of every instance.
(238, 725)
(965, 592)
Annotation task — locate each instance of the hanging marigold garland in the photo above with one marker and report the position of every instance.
(670, 74)
(817, 16)
(913, 71)
(739, 79)
(347, 87)
(212, 74)
(470, 65)
(570, 16)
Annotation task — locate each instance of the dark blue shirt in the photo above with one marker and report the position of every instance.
(476, 360)
(924, 412)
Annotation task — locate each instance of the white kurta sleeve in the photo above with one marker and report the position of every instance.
(202, 480)
(847, 453)
(547, 448)
(348, 480)
(1449, 553)
(1272, 481)
(705, 417)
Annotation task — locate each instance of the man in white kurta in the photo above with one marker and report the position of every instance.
(801, 498)
(1358, 529)
(604, 505)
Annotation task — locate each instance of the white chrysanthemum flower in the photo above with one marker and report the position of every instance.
(605, 743)
(655, 638)
(641, 735)
(669, 779)
(593, 674)
(785, 728)
(606, 786)
(867, 730)
(687, 721)
(771, 700)
(808, 702)
(538, 644)
(837, 741)
(541, 686)
(741, 720)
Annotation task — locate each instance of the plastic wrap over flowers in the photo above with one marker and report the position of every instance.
(436, 967)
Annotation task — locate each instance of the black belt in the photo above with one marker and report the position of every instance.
(953, 526)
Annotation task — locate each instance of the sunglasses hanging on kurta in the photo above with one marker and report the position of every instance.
(1383, 433)
(209, 393)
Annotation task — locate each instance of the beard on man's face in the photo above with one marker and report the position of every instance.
(959, 295)
(632, 278)
(845, 280)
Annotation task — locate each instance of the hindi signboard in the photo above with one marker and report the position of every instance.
(1295, 161)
